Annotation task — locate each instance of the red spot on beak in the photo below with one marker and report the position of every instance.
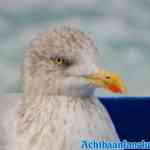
(115, 89)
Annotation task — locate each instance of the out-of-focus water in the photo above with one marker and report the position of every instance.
(120, 29)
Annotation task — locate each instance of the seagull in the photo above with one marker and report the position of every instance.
(58, 108)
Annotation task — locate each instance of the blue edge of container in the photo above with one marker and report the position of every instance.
(130, 115)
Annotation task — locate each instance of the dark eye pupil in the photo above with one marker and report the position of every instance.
(61, 61)
(107, 77)
(58, 59)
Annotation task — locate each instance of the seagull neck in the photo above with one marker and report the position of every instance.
(41, 96)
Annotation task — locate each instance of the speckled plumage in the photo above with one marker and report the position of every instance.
(60, 122)
(62, 41)
(57, 108)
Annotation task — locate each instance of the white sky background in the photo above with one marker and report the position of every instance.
(120, 29)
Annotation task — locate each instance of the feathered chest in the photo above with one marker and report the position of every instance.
(58, 124)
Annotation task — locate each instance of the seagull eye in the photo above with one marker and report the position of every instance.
(59, 61)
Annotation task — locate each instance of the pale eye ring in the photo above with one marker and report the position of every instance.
(59, 61)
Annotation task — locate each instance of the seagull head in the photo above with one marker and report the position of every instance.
(63, 61)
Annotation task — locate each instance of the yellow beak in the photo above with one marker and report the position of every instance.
(108, 80)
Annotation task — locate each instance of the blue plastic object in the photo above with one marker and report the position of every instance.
(131, 116)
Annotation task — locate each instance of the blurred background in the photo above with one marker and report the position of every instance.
(120, 29)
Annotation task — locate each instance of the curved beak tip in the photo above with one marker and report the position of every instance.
(118, 89)
(117, 85)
